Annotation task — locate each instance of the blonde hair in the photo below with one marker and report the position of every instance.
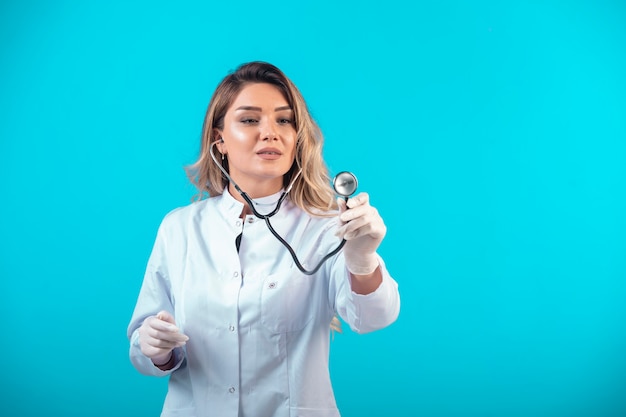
(311, 191)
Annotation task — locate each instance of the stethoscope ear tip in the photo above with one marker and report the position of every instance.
(345, 184)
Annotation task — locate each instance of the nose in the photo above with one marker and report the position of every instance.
(268, 132)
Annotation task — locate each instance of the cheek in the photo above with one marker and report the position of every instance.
(238, 141)
(238, 134)
(292, 150)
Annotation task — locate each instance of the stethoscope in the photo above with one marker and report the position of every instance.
(344, 183)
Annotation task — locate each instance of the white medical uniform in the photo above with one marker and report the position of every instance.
(258, 328)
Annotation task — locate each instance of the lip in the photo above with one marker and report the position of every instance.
(269, 154)
(269, 151)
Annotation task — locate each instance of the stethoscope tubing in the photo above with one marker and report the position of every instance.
(266, 217)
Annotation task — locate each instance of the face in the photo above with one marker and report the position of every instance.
(259, 139)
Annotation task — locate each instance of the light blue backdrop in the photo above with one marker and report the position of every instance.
(490, 135)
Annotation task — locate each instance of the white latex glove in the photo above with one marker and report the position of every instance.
(363, 229)
(158, 336)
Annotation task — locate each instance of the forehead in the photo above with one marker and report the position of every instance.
(260, 95)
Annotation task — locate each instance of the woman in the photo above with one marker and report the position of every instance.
(224, 309)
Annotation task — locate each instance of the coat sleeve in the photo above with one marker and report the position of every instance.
(363, 313)
(155, 295)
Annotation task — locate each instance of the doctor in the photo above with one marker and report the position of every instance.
(223, 311)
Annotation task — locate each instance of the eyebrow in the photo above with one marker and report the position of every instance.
(254, 108)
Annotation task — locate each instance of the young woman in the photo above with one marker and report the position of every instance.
(225, 309)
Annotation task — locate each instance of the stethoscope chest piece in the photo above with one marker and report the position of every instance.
(345, 184)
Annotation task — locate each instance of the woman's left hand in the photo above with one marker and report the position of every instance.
(363, 229)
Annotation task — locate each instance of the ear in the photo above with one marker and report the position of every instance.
(217, 135)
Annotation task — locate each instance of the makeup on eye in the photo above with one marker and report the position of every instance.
(283, 119)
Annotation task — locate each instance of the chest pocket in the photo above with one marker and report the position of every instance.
(286, 303)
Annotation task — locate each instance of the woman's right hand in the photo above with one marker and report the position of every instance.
(158, 336)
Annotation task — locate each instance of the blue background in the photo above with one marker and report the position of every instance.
(490, 135)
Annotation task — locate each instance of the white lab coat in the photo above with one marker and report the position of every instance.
(258, 328)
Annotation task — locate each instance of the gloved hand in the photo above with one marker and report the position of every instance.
(158, 336)
(363, 229)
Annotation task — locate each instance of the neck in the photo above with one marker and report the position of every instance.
(258, 192)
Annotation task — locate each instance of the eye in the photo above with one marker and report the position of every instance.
(249, 121)
(285, 121)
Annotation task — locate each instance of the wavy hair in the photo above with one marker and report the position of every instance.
(311, 191)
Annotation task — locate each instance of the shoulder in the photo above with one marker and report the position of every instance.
(182, 215)
(328, 217)
(318, 220)
(317, 213)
